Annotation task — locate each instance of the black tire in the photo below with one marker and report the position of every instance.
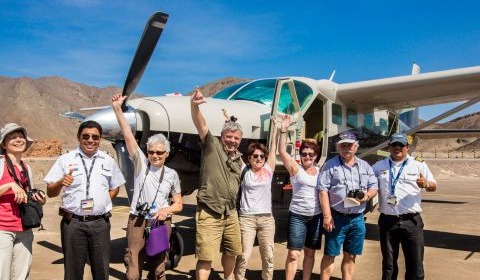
(176, 249)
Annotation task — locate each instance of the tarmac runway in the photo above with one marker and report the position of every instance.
(452, 238)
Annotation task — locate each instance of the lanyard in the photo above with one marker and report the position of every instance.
(159, 183)
(393, 182)
(345, 175)
(88, 173)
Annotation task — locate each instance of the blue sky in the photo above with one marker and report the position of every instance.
(93, 41)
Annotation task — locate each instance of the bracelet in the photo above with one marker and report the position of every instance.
(326, 217)
(283, 132)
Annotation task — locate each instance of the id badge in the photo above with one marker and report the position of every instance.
(87, 204)
(392, 200)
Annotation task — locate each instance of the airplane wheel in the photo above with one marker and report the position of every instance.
(176, 249)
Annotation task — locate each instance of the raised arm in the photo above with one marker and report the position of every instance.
(290, 164)
(197, 116)
(272, 154)
(132, 146)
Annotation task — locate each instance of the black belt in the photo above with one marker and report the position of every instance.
(406, 216)
(351, 215)
(89, 218)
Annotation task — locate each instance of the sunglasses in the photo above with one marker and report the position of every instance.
(95, 137)
(258, 155)
(158, 153)
(308, 154)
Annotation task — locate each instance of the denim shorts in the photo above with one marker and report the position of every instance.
(349, 231)
(304, 231)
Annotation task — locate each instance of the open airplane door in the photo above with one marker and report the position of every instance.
(285, 102)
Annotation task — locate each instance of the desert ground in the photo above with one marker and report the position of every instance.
(452, 232)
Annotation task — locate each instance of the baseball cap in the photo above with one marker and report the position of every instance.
(398, 138)
(347, 137)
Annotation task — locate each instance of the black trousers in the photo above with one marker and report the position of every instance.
(82, 239)
(407, 231)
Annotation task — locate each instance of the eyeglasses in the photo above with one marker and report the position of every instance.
(95, 137)
(308, 154)
(158, 153)
(258, 155)
(397, 145)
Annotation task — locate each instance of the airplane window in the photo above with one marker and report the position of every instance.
(352, 118)
(336, 114)
(261, 91)
(368, 122)
(226, 92)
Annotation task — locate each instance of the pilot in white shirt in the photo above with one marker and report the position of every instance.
(401, 180)
(88, 180)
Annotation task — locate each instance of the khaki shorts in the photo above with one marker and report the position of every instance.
(216, 231)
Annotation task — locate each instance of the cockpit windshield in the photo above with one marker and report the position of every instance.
(262, 91)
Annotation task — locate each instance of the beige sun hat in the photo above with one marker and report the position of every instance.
(9, 128)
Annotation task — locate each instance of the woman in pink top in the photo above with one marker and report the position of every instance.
(15, 240)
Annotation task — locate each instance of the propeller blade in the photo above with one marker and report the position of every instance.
(73, 115)
(126, 166)
(151, 34)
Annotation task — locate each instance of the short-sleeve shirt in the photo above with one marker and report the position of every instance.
(10, 219)
(257, 191)
(338, 178)
(105, 176)
(153, 192)
(219, 176)
(305, 199)
(407, 192)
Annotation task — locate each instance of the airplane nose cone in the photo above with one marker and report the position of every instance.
(107, 119)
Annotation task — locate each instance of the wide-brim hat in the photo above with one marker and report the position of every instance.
(9, 128)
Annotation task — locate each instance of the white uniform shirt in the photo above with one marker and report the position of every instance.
(305, 194)
(170, 184)
(105, 176)
(257, 191)
(407, 192)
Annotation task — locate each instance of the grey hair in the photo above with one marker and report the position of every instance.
(158, 139)
(232, 126)
(356, 144)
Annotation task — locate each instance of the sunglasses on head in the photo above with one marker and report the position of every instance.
(258, 155)
(158, 153)
(95, 137)
(308, 154)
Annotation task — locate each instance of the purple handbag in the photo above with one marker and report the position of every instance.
(157, 241)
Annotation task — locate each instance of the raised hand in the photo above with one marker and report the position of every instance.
(198, 98)
(117, 101)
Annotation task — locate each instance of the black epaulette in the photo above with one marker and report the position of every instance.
(419, 159)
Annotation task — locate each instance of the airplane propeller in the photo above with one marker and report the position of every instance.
(146, 46)
(151, 33)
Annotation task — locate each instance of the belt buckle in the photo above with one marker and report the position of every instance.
(84, 218)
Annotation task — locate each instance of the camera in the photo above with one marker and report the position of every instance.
(31, 192)
(357, 194)
(143, 209)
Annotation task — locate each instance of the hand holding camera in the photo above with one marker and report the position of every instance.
(357, 194)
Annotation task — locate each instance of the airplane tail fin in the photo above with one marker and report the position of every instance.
(415, 69)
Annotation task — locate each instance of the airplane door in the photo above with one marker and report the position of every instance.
(285, 101)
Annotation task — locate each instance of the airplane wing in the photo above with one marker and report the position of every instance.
(412, 90)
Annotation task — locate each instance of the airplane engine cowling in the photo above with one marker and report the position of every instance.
(107, 119)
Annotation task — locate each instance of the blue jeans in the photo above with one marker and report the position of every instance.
(349, 231)
(304, 231)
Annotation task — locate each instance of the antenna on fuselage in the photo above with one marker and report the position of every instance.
(333, 75)
(415, 69)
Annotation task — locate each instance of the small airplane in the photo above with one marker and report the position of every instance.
(321, 109)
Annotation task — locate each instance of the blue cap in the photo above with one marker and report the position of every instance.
(347, 137)
(398, 138)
